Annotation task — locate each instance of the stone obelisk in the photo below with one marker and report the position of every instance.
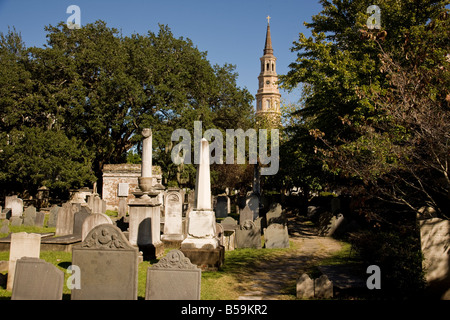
(201, 246)
(144, 210)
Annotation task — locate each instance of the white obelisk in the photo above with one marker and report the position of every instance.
(202, 220)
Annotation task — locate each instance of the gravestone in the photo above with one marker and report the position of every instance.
(36, 279)
(78, 220)
(22, 245)
(220, 233)
(252, 202)
(245, 214)
(276, 236)
(335, 223)
(229, 226)
(15, 221)
(5, 227)
(39, 220)
(275, 214)
(248, 236)
(174, 277)
(64, 223)
(92, 221)
(435, 245)
(123, 207)
(305, 287)
(53, 216)
(6, 213)
(108, 266)
(229, 223)
(323, 288)
(29, 216)
(221, 208)
(173, 216)
(16, 205)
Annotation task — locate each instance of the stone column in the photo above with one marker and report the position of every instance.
(144, 211)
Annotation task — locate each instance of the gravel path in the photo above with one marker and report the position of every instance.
(275, 279)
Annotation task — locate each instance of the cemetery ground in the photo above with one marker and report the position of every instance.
(247, 274)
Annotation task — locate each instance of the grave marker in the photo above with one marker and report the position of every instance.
(108, 266)
(276, 236)
(174, 277)
(92, 221)
(248, 236)
(305, 287)
(22, 245)
(36, 279)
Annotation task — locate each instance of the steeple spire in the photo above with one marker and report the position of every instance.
(268, 50)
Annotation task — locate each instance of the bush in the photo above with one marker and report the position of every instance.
(398, 254)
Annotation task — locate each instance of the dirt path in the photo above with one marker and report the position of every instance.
(276, 278)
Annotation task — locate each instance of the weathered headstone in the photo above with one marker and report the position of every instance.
(229, 223)
(29, 216)
(248, 236)
(221, 208)
(335, 223)
(174, 277)
(16, 221)
(6, 213)
(108, 266)
(22, 245)
(305, 287)
(16, 205)
(323, 288)
(39, 220)
(220, 233)
(275, 214)
(53, 216)
(435, 244)
(5, 227)
(173, 216)
(123, 207)
(78, 220)
(276, 236)
(245, 214)
(36, 279)
(93, 220)
(64, 223)
(252, 202)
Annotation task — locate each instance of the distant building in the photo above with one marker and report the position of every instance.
(268, 96)
(126, 173)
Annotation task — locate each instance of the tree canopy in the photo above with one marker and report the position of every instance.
(88, 93)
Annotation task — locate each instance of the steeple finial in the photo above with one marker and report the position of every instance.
(268, 50)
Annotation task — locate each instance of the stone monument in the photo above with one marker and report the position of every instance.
(201, 246)
(144, 210)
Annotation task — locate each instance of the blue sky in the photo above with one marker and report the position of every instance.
(231, 31)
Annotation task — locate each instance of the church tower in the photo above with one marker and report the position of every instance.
(268, 96)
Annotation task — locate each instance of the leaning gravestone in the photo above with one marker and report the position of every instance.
(248, 236)
(108, 266)
(305, 287)
(276, 236)
(174, 277)
(22, 245)
(36, 279)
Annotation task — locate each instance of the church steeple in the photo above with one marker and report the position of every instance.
(268, 96)
(268, 50)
